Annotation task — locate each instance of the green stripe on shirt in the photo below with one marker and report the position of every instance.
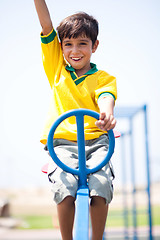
(105, 94)
(79, 80)
(49, 38)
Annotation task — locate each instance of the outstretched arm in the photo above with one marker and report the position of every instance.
(106, 120)
(44, 16)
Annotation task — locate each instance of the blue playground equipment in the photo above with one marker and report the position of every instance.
(82, 199)
(129, 114)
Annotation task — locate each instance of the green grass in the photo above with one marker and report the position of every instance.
(36, 222)
(115, 219)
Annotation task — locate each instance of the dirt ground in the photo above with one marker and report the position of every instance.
(43, 234)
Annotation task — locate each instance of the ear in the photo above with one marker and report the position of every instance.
(95, 46)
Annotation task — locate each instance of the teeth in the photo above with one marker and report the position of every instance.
(76, 59)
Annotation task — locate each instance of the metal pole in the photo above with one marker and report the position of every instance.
(148, 173)
(134, 209)
(81, 151)
(124, 191)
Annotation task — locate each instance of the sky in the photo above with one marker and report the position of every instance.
(129, 49)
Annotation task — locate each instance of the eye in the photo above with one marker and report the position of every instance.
(83, 43)
(67, 44)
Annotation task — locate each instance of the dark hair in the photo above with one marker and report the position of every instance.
(79, 24)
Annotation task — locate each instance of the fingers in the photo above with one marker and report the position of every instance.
(102, 116)
(106, 123)
(111, 123)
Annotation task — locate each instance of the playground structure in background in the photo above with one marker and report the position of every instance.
(129, 114)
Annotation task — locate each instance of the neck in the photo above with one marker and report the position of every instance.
(81, 72)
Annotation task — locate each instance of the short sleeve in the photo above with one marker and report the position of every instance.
(52, 56)
(106, 83)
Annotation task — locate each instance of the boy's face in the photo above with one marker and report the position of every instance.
(78, 51)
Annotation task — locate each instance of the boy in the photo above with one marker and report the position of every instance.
(77, 83)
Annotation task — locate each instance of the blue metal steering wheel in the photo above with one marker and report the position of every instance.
(82, 171)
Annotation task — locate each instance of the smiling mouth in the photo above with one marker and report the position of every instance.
(76, 58)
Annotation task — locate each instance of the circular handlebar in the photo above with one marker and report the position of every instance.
(79, 113)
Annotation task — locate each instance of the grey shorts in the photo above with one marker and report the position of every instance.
(65, 184)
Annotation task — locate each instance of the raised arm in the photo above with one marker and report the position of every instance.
(44, 16)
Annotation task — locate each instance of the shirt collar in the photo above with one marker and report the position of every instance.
(91, 71)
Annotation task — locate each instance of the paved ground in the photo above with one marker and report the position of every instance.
(112, 234)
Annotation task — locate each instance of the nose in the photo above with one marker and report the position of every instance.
(75, 49)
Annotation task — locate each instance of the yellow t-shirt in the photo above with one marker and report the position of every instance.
(72, 92)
